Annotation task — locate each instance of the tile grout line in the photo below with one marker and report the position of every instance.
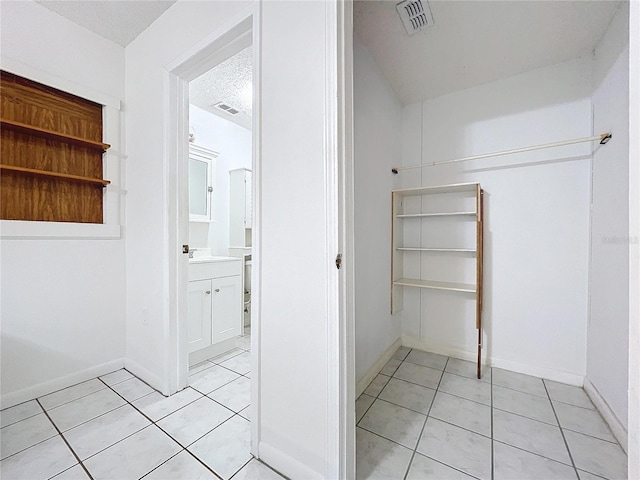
(566, 445)
(67, 443)
(533, 453)
(415, 449)
(160, 428)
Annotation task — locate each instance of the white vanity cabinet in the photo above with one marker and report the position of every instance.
(215, 305)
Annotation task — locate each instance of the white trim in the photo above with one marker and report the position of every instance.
(364, 382)
(19, 396)
(332, 205)
(617, 428)
(295, 469)
(346, 228)
(24, 230)
(37, 75)
(634, 249)
(527, 369)
(256, 241)
(150, 378)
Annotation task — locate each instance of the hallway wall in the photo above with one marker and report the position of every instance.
(63, 285)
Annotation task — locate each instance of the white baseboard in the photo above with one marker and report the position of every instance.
(527, 369)
(617, 428)
(362, 384)
(14, 398)
(146, 376)
(284, 464)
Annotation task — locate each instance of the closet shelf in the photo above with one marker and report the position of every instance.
(450, 250)
(449, 214)
(47, 173)
(62, 137)
(435, 285)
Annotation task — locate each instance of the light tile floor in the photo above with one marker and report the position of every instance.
(424, 416)
(116, 427)
(427, 416)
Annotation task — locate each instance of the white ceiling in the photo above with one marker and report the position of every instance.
(118, 20)
(229, 82)
(472, 42)
(475, 42)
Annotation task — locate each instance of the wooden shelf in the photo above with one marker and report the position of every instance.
(450, 214)
(434, 285)
(46, 173)
(62, 137)
(446, 250)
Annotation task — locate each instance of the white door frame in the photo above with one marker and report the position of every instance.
(237, 33)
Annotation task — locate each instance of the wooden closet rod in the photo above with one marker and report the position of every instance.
(603, 138)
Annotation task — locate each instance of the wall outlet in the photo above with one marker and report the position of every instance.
(145, 316)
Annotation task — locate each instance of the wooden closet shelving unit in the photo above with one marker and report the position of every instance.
(52, 154)
(398, 249)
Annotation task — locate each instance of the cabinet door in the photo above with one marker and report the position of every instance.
(227, 307)
(199, 327)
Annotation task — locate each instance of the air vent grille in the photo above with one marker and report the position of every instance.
(415, 15)
(226, 108)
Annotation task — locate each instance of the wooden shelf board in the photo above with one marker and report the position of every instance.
(450, 214)
(451, 250)
(41, 132)
(45, 173)
(434, 285)
(459, 187)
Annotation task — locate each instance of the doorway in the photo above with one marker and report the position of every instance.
(220, 231)
(202, 145)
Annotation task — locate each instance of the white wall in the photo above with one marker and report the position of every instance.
(233, 143)
(63, 294)
(607, 362)
(536, 219)
(377, 144)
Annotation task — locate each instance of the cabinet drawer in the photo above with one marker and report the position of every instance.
(204, 270)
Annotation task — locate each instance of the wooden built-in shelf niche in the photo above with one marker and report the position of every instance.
(51, 154)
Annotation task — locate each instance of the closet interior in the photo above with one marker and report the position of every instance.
(504, 146)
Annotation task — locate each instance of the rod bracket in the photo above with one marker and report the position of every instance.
(394, 171)
(604, 138)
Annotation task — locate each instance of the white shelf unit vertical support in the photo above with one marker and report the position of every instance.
(398, 249)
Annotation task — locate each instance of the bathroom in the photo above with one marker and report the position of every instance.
(220, 206)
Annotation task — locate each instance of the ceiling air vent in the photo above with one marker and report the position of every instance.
(415, 15)
(226, 108)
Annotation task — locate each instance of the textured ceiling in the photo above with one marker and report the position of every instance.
(475, 42)
(118, 20)
(230, 82)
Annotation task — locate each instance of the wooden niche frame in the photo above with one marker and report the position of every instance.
(51, 148)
